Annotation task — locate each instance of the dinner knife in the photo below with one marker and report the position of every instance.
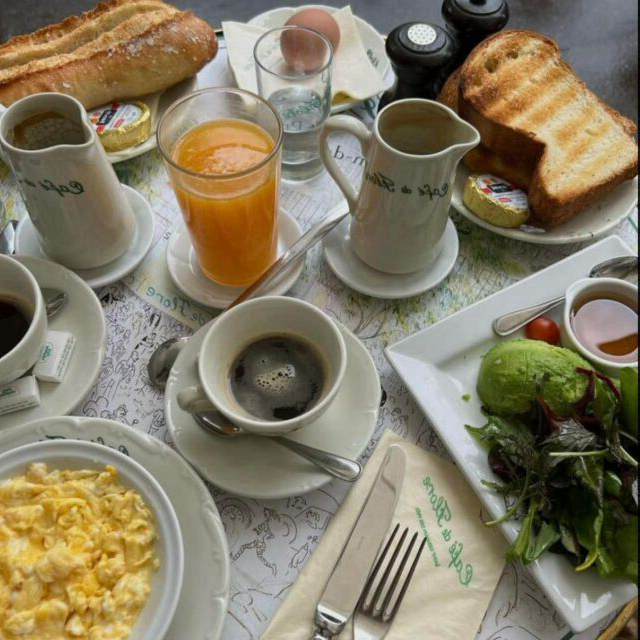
(342, 591)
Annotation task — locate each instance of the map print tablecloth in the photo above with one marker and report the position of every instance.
(270, 541)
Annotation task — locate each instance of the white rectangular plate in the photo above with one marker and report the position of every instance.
(439, 365)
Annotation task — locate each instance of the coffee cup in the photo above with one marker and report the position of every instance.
(78, 208)
(244, 365)
(23, 319)
(400, 212)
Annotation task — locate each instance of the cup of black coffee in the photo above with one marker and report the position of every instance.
(271, 365)
(23, 319)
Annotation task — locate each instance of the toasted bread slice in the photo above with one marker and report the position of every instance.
(525, 101)
(517, 170)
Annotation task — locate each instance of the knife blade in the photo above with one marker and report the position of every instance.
(342, 591)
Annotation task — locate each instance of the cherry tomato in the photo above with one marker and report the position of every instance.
(544, 329)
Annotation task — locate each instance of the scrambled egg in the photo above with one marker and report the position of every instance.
(76, 553)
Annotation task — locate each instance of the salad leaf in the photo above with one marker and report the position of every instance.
(629, 392)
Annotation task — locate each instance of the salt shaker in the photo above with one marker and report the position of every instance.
(421, 56)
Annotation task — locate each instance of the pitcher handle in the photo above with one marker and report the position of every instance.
(347, 124)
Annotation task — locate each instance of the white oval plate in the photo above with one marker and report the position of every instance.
(256, 467)
(27, 244)
(588, 225)
(205, 586)
(373, 42)
(82, 316)
(187, 276)
(158, 103)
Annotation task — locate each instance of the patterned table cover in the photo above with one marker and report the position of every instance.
(270, 541)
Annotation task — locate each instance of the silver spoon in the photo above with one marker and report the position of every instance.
(621, 267)
(8, 237)
(54, 300)
(215, 423)
(162, 360)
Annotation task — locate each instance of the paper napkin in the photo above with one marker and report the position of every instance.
(352, 73)
(457, 573)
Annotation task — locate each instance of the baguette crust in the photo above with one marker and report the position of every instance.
(121, 49)
(525, 100)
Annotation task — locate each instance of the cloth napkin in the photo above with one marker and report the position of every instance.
(457, 573)
(352, 74)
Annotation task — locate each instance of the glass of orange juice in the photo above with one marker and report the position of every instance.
(222, 148)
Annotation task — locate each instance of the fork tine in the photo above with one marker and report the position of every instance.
(367, 597)
(387, 571)
(388, 616)
(398, 573)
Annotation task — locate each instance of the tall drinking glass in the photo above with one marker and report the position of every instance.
(222, 149)
(293, 69)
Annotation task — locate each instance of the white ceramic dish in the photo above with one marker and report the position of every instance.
(205, 588)
(27, 244)
(82, 316)
(439, 365)
(592, 223)
(187, 276)
(158, 104)
(157, 612)
(253, 466)
(373, 42)
(346, 265)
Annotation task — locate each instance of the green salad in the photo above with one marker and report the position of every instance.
(563, 439)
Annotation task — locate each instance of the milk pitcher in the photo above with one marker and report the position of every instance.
(78, 208)
(400, 212)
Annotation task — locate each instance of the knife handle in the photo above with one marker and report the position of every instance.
(319, 635)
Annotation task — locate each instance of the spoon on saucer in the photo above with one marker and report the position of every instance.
(215, 423)
(162, 360)
(54, 300)
(620, 267)
(8, 237)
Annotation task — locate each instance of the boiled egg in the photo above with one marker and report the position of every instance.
(301, 49)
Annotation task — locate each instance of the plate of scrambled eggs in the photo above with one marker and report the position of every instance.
(90, 546)
(203, 600)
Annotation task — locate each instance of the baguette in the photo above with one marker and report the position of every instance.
(527, 103)
(120, 49)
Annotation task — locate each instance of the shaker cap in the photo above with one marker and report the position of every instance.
(476, 15)
(419, 43)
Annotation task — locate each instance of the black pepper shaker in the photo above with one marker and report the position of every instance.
(420, 55)
(470, 21)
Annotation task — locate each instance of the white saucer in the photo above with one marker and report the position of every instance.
(255, 467)
(361, 277)
(187, 276)
(27, 244)
(205, 588)
(82, 316)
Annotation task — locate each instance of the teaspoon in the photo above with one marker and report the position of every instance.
(54, 300)
(621, 267)
(215, 423)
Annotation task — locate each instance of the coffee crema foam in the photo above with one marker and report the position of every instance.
(277, 377)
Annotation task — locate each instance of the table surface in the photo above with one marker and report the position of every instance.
(600, 40)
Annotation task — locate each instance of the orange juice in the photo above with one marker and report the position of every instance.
(228, 194)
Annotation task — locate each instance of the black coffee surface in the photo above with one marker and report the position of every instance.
(277, 378)
(13, 325)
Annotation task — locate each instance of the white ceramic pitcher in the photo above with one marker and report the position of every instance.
(400, 211)
(76, 203)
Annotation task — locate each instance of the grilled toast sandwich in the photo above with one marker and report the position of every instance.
(536, 117)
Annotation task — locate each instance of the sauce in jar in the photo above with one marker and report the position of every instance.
(607, 326)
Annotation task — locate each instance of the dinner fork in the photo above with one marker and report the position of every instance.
(385, 589)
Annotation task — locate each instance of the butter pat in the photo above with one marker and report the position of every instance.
(121, 125)
(55, 355)
(22, 393)
(496, 201)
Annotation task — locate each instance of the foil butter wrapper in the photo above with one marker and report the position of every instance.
(121, 125)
